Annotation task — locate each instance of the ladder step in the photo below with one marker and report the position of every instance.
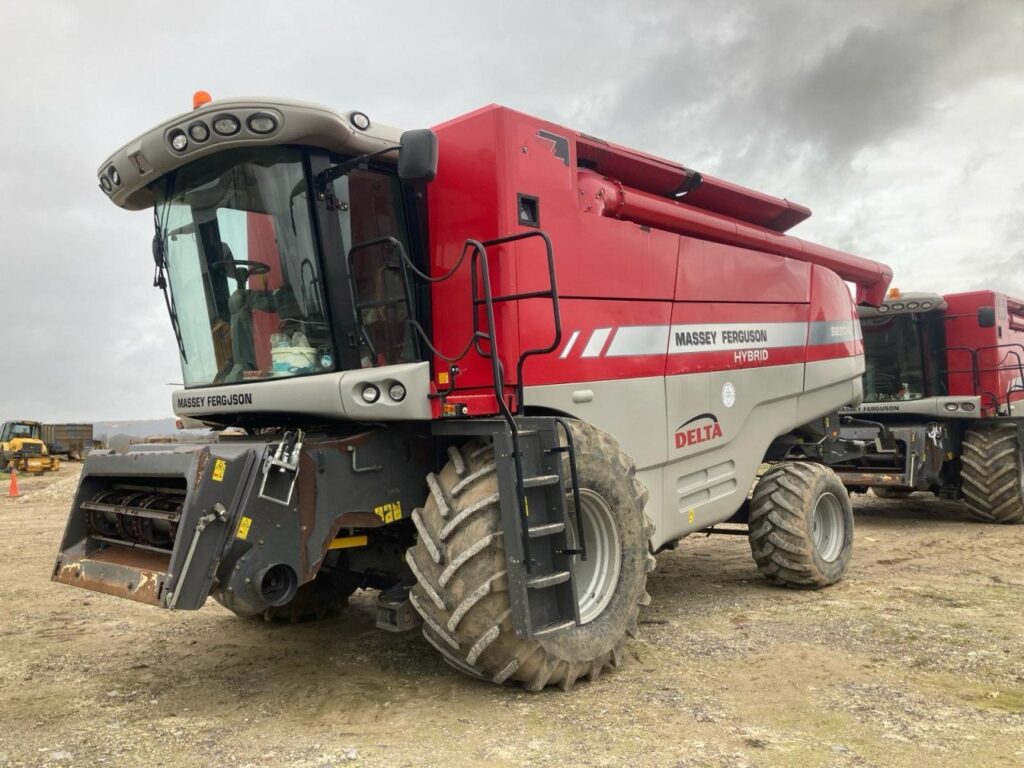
(548, 580)
(551, 629)
(546, 530)
(540, 480)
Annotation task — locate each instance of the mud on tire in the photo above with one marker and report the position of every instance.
(992, 477)
(801, 526)
(462, 589)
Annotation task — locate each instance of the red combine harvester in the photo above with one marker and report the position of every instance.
(487, 369)
(943, 402)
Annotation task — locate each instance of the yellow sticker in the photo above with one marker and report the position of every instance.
(218, 469)
(389, 513)
(690, 517)
(243, 527)
(345, 542)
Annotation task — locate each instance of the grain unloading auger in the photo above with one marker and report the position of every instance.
(487, 369)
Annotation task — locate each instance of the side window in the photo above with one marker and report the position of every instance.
(370, 208)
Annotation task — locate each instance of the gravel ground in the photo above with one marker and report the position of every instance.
(915, 659)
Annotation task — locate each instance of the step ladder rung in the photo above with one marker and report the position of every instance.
(539, 481)
(548, 580)
(551, 629)
(546, 530)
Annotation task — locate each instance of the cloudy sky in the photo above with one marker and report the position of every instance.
(900, 124)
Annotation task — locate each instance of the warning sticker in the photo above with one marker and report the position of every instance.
(243, 527)
(219, 466)
(389, 513)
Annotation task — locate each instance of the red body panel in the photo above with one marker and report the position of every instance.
(627, 288)
(985, 361)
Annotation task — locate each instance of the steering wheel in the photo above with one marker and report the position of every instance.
(253, 267)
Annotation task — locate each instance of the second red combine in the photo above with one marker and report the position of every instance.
(943, 409)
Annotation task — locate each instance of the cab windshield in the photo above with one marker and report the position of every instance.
(11, 430)
(245, 285)
(893, 359)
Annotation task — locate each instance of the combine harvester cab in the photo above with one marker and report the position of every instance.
(488, 369)
(943, 406)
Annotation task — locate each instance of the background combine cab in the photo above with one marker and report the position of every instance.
(944, 393)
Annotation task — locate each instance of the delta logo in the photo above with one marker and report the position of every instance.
(699, 429)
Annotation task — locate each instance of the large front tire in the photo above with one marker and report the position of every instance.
(801, 526)
(992, 477)
(462, 589)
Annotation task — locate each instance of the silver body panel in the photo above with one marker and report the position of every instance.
(905, 304)
(727, 420)
(148, 157)
(962, 407)
(325, 395)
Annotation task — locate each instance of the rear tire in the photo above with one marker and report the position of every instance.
(459, 564)
(801, 526)
(992, 477)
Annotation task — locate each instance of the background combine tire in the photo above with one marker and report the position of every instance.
(993, 474)
(459, 564)
(324, 596)
(801, 526)
(884, 492)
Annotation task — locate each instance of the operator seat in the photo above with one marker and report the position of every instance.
(243, 354)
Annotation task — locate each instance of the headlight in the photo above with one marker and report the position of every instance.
(262, 123)
(179, 141)
(370, 394)
(360, 120)
(199, 132)
(226, 125)
(396, 392)
(114, 176)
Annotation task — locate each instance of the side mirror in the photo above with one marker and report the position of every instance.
(986, 317)
(417, 156)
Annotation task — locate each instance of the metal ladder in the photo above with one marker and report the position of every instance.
(539, 542)
(530, 457)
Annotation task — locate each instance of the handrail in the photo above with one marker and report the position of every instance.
(975, 370)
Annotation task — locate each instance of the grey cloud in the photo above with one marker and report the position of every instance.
(810, 100)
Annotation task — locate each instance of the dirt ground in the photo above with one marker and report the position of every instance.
(915, 659)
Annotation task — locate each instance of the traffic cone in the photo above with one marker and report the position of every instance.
(13, 490)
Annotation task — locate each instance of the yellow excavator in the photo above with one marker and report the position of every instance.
(22, 447)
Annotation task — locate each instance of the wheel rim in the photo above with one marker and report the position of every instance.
(598, 575)
(828, 527)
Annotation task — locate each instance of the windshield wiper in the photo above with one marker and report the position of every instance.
(160, 281)
(328, 175)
